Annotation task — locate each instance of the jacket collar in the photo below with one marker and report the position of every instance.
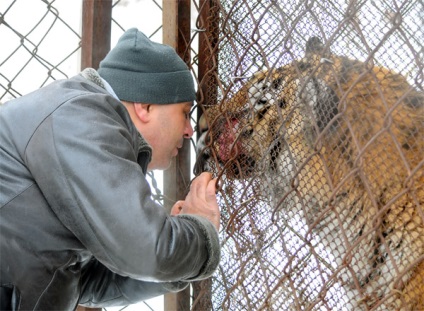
(144, 149)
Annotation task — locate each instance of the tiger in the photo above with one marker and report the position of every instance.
(345, 138)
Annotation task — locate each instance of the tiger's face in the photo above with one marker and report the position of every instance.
(271, 111)
(317, 104)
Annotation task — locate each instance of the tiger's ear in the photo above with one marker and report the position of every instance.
(314, 46)
(326, 107)
(322, 101)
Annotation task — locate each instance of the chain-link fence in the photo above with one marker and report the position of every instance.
(42, 39)
(41, 42)
(316, 135)
(315, 118)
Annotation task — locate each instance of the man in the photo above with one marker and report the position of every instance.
(77, 222)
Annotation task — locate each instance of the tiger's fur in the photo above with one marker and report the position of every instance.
(346, 139)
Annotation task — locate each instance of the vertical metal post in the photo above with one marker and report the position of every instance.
(96, 31)
(208, 23)
(176, 33)
(95, 44)
(81, 308)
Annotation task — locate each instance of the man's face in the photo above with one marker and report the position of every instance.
(167, 127)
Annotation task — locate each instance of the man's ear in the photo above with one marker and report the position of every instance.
(142, 111)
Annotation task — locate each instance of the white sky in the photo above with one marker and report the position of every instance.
(28, 18)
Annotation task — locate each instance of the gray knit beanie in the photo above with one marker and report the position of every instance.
(143, 71)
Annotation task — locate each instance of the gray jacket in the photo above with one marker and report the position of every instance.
(77, 222)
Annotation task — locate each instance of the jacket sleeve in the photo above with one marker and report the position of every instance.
(102, 287)
(84, 158)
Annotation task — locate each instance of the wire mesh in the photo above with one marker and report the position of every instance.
(314, 126)
(322, 207)
(41, 42)
(146, 15)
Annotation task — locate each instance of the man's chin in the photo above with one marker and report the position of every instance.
(161, 166)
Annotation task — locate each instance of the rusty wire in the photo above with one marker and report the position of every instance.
(319, 156)
(277, 255)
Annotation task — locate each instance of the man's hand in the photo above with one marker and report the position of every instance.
(201, 200)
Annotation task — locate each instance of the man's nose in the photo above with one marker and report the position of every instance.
(188, 133)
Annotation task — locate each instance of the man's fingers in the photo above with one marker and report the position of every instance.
(200, 183)
(201, 199)
(211, 191)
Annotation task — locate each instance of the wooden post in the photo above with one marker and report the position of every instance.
(95, 44)
(81, 308)
(176, 33)
(208, 23)
(96, 32)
